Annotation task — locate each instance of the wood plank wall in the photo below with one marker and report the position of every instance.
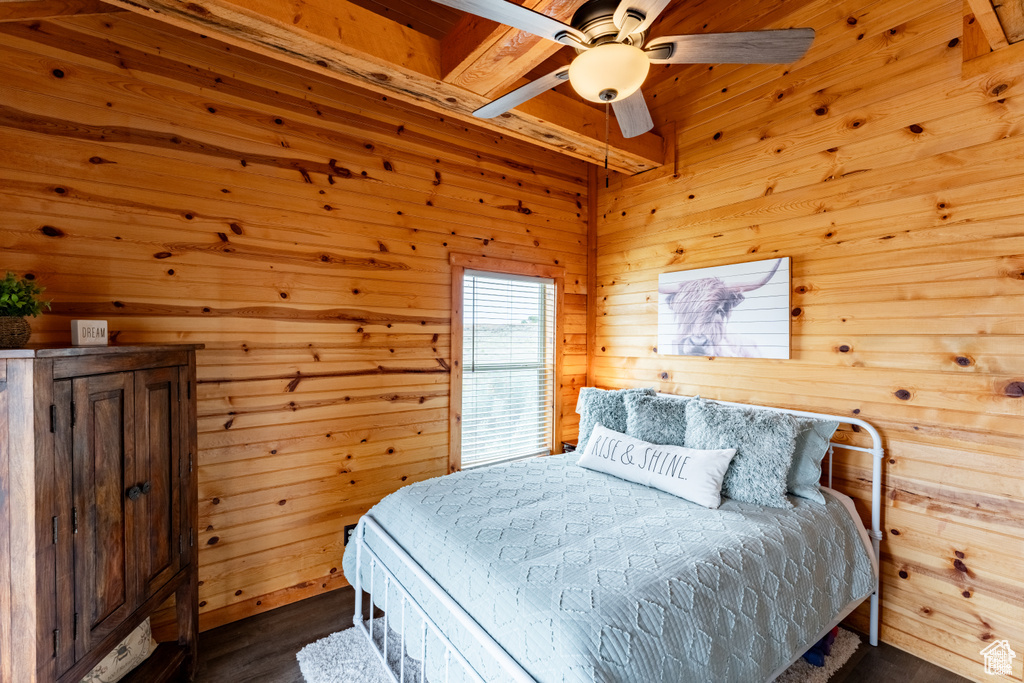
(898, 190)
(187, 191)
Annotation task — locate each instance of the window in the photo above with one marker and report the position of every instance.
(508, 367)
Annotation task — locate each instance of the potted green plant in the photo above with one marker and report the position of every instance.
(19, 298)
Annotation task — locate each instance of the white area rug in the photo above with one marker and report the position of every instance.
(346, 657)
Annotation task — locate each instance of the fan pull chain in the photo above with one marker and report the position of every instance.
(606, 115)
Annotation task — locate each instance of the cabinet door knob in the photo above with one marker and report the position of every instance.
(147, 487)
(134, 493)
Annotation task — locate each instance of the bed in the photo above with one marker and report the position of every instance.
(541, 570)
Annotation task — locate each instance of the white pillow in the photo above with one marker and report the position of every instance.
(688, 473)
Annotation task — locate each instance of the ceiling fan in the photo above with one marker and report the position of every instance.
(614, 55)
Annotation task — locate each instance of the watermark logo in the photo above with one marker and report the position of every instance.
(999, 658)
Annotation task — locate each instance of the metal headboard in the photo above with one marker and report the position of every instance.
(878, 453)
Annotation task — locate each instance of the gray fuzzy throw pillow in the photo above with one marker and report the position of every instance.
(602, 406)
(656, 419)
(764, 443)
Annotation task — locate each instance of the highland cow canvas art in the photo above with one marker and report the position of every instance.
(740, 310)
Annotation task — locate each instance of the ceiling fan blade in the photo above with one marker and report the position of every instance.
(780, 46)
(629, 12)
(519, 17)
(520, 95)
(633, 115)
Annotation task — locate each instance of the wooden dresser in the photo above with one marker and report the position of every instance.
(97, 507)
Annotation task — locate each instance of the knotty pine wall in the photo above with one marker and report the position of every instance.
(898, 190)
(187, 191)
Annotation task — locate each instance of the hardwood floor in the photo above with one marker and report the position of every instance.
(262, 648)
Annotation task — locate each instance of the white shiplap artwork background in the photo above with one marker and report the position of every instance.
(739, 310)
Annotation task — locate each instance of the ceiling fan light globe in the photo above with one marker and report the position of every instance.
(609, 67)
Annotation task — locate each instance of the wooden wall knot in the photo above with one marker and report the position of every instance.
(338, 170)
(518, 208)
(1015, 389)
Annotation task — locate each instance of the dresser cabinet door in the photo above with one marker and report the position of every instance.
(157, 473)
(104, 476)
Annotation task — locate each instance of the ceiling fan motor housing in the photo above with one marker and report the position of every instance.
(595, 20)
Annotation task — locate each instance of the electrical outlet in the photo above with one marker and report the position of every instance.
(349, 528)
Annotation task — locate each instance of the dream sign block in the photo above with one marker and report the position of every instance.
(89, 332)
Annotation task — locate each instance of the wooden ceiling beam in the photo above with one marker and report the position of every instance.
(1011, 18)
(986, 17)
(487, 58)
(33, 10)
(362, 48)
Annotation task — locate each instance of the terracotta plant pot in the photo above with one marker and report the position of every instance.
(14, 332)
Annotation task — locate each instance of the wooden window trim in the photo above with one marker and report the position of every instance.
(459, 264)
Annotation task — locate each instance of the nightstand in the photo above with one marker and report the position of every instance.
(568, 446)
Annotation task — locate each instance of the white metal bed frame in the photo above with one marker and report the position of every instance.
(511, 667)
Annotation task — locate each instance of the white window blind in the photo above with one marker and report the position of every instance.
(508, 367)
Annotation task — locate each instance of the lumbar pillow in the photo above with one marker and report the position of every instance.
(602, 406)
(764, 443)
(811, 445)
(657, 419)
(694, 475)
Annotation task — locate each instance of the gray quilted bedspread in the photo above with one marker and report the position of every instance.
(584, 577)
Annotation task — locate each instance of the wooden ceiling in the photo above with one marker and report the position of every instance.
(428, 18)
(447, 61)
(438, 21)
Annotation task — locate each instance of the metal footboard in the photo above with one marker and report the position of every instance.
(365, 554)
